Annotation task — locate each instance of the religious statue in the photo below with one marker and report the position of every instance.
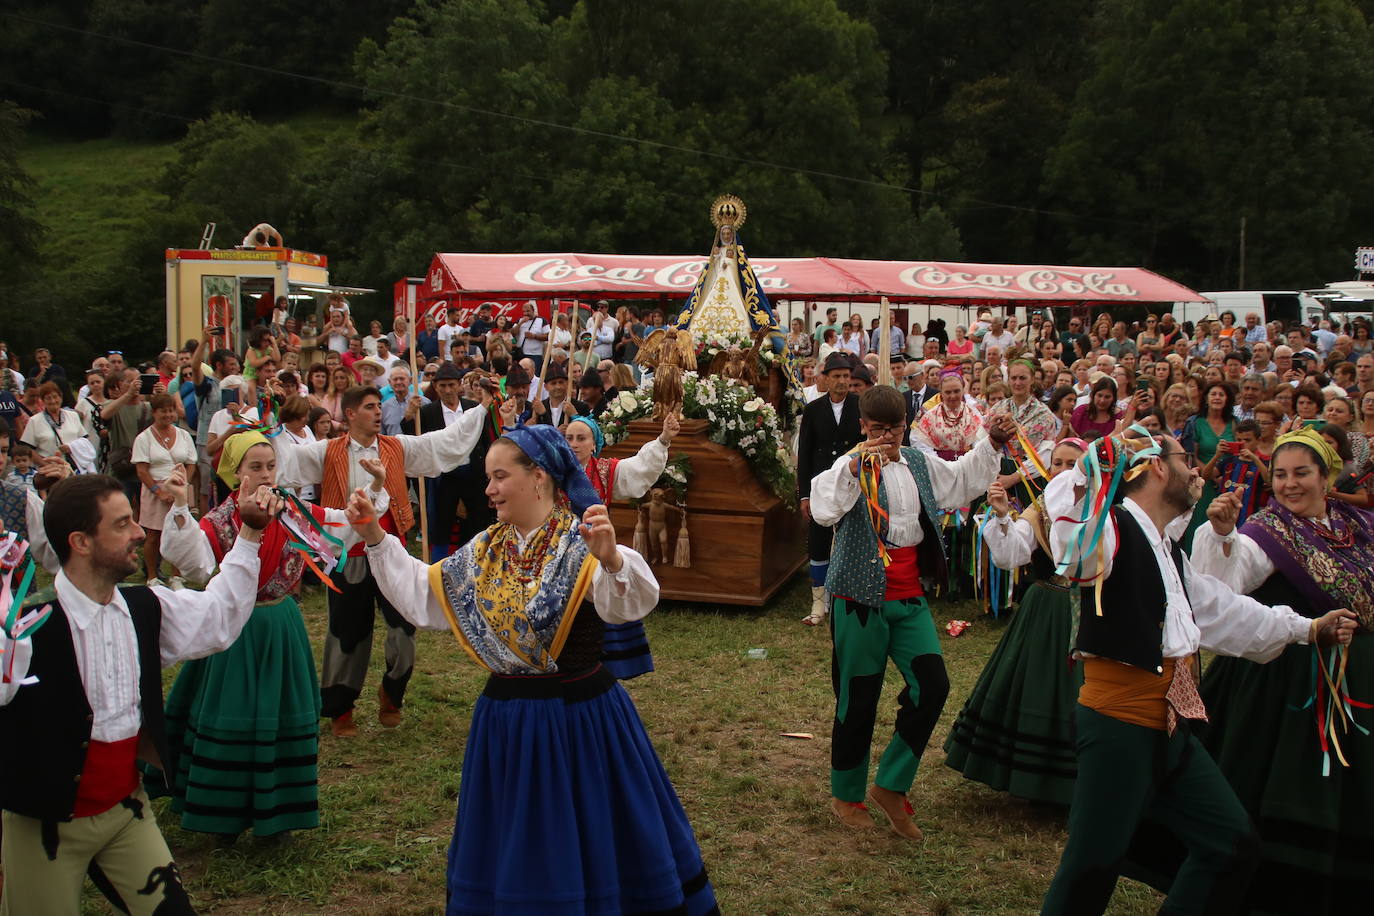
(736, 364)
(653, 543)
(669, 352)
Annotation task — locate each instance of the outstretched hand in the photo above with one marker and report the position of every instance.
(362, 515)
(1336, 626)
(671, 426)
(1225, 511)
(258, 510)
(599, 534)
(1001, 428)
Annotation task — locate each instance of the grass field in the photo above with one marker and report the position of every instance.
(758, 802)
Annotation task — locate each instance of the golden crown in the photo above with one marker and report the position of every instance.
(728, 210)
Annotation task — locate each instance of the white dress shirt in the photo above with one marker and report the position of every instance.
(1243, 571)
(194, 625)
(621, 597)
(425, 456)
(636, 474)
(1010, 542)
(1208, 615)
(835, 490)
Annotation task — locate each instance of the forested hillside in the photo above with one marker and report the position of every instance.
(378, 131)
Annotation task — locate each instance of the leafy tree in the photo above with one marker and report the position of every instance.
(1203, 111)
(20, 229)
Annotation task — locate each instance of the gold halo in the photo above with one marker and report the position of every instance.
(728, 210)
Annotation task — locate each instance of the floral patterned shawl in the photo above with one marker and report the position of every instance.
(507, 623)
(950, 435)
(1330, 576)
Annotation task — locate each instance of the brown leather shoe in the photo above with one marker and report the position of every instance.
(388, 713)
(898, 811)
(343, 727)
(851, 814)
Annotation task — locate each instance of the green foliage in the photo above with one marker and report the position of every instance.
(1199, 113)
(20, 229)
(1108, 132)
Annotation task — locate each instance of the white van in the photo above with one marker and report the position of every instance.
(1288, 306)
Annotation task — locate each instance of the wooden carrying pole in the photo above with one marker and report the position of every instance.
(885, 345)
(419, 481)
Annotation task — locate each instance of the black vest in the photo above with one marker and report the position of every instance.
(46, 728)
(1131, 628)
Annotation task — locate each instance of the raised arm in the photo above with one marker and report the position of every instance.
(636, 474)
(299, 465)
(957, 483)
(443, 450)
(196, 624)
(1064, 505)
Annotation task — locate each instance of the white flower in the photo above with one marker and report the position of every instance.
(753, 406)
(627, 400)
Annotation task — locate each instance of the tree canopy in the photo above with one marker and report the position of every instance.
(1132, 132)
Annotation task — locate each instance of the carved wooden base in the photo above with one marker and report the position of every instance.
(746, 543)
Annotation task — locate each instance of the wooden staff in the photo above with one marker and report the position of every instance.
(419, 481)
(885, 345)
(548, 345)
(586, 356)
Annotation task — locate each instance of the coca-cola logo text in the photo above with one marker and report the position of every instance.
(1038, 280)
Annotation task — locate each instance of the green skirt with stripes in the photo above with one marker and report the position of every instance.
(1016, 731)
(243, 731)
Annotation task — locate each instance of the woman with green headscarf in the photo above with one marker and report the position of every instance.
(1314, 554)
(243, 725)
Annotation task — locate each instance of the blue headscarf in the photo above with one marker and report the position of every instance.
(547, 448)
(597, 435)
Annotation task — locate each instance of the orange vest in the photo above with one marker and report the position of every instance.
(334, 488)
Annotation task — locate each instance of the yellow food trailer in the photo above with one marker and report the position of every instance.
(236, 288)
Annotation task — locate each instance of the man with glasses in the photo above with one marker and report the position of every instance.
(1069, 338)
(1139, 765)
(884, 501)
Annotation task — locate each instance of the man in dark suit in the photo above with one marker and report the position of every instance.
(465, 484)
(557, 409)
(594, 392)
(829, 428)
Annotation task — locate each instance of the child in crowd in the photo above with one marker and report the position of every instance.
(23, 469)
(1241, 465)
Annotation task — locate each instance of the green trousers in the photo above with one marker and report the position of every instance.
(864, 639)
(1129, 776)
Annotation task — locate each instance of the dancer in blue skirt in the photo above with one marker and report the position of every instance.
(565, 807)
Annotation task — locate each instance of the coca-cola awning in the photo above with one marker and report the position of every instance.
(584, 276)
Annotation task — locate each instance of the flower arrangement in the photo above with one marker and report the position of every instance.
(738, 419)
(710, 345)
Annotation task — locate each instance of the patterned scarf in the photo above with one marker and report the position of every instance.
(280, 566)
(1330, 576)
(512, 609)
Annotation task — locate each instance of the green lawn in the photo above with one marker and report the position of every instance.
(758, 801)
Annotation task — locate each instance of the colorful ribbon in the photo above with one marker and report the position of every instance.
(1108, 463)
(1331, 700)
(307, 536)
(870, 480)
(19, 628)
